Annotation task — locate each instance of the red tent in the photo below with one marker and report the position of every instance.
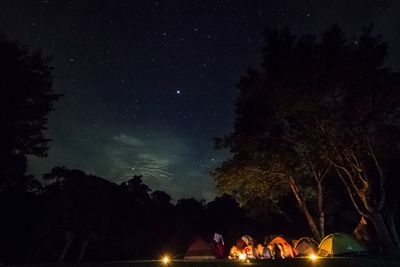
(200, 250)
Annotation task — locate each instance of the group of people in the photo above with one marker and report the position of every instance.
(275, 251)
(246, 249)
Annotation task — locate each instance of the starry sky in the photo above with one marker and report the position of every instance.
(148, 84)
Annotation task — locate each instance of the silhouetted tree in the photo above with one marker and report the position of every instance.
(79, 209)
(26, 98)
(226, 217)
(139, 190)
(161, 199)
(82, 217)
(189, 220)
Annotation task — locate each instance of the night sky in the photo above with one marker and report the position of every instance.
(148, 84)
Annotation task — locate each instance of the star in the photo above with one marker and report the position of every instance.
(178, 92)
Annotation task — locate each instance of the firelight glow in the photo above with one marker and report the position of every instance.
(242, 256)
(313, 257)
(165, 259)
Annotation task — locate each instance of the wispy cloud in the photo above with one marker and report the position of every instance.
(167, 161)
(128, 140)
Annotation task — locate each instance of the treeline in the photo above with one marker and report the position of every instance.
(81, 217)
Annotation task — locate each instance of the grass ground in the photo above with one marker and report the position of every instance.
(297, 262)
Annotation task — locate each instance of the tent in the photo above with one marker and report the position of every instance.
(339, 244)
(244, 245)
(305, 246)
(279, 240)
(200, 249)
(244, 241)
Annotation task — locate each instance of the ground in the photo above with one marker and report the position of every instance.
(298, 262)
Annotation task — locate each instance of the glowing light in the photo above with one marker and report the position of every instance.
(178, 92)
(313, 257)
(242, 256)
(165, 259)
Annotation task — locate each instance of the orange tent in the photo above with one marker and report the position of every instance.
(287, 250)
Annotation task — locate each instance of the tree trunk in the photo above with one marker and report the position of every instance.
(84, 244)
(385, 240)
(367, 208)
(304, 208)
(366, 234)
(321, 210)
(393, 231)
(29, 257)
(69, 237)
(322, 225)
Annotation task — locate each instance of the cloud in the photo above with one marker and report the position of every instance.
(155, 157)
(128, 140)
(177, 164)
(166, 161)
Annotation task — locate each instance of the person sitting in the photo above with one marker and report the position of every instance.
(277, 252)
(259, 251)
(266, 253)
(248, 250)
(234, 253)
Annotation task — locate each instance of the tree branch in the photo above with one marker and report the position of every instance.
(358, 208)
(352, 182)
(382, 179)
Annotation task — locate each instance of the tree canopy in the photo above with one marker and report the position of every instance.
(319, 104)
(26, 98)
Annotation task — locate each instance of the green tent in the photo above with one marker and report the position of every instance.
(339, 244)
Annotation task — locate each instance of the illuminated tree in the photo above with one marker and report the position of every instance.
(319, 104)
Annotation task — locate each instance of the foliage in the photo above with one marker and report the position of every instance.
(79, 216)
(27, 97)
(317, 102)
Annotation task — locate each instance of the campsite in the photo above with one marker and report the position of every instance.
(335, 250)
(299, 262)
(200, 133)
(275, 247)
